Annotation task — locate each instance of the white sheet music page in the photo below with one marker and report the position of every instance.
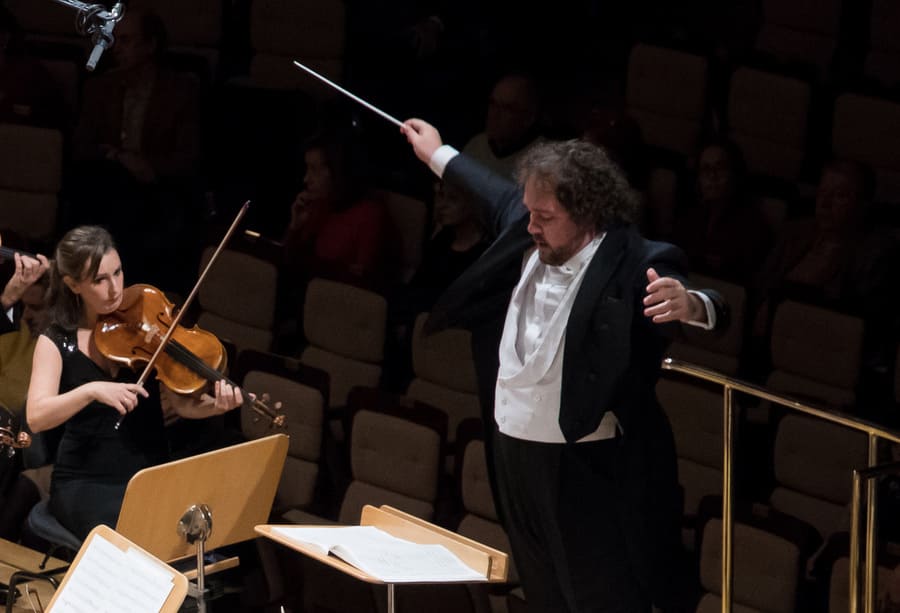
(109, 580)
(385, 557)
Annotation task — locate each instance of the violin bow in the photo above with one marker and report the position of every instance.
(187, 303)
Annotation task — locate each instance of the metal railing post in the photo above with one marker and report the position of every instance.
(728, 501)
(874, 433)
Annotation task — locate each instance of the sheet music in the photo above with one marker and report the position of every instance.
(383, 556)
(109, 580)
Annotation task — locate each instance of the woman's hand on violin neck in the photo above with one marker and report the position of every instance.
(227, 397)
(123, 397)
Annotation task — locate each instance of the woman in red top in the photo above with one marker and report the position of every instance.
(336, 230)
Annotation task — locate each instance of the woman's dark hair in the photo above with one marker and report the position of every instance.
(585, 181)
(78, 256)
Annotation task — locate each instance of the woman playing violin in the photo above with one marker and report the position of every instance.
(73, 383)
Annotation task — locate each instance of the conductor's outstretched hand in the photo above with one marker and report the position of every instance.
(424, 138)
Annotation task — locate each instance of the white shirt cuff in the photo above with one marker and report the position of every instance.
(710, 322)
(440, 158)
(9, 315)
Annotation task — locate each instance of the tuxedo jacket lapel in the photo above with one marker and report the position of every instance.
(598, 275)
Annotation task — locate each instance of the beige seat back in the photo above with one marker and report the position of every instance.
(883, 60)
(394, 461)
(345, 328)
(867, 130)
(408, 217)
(800, 32)
(766, 570)
(666, 95)
(196, 29)
(30, 179)
(301, 392)
(696, 417)
(445, 373)
(816, 354)
(767, 118)
(309, 31)
(813, 462)
(238, 298)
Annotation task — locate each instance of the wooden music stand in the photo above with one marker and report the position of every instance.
(207, 501)
(487, 561)
(172, 603)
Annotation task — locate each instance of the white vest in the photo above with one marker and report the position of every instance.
(529, 382)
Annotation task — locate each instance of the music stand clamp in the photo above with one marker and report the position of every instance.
(195, 526)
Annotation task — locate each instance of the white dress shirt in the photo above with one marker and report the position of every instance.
(529, 382)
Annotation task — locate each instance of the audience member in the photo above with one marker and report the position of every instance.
(137, 143)
(511, 125)
(838, 260)
(28, 93)
(336, 229)
(722, 231)
(459, 238)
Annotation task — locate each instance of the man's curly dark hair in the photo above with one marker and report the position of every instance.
(587, 183)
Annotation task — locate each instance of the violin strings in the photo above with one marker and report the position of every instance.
(184, 356)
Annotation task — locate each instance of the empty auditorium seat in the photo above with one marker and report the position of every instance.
(408, 217)
(883, 59)
(767, 118)
(238, 298)
(444, 370)
(867, 130)
(285, 30)
(813, 462)
(767, 570)
(800, 32)
(696, 414)
(816, 354)
(345, 328)
(30, 179)
(666, 95)
(301, 391)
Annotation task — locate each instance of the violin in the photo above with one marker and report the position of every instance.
(191, 359)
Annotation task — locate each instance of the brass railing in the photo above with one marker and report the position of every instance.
(874, 433)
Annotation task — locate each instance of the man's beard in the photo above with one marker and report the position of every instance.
(553, 257)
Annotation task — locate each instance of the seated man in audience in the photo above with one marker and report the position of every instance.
(136, 148)
(511, 126)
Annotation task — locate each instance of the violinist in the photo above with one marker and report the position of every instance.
(74, 384)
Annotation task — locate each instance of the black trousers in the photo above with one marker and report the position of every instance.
(561, 506)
